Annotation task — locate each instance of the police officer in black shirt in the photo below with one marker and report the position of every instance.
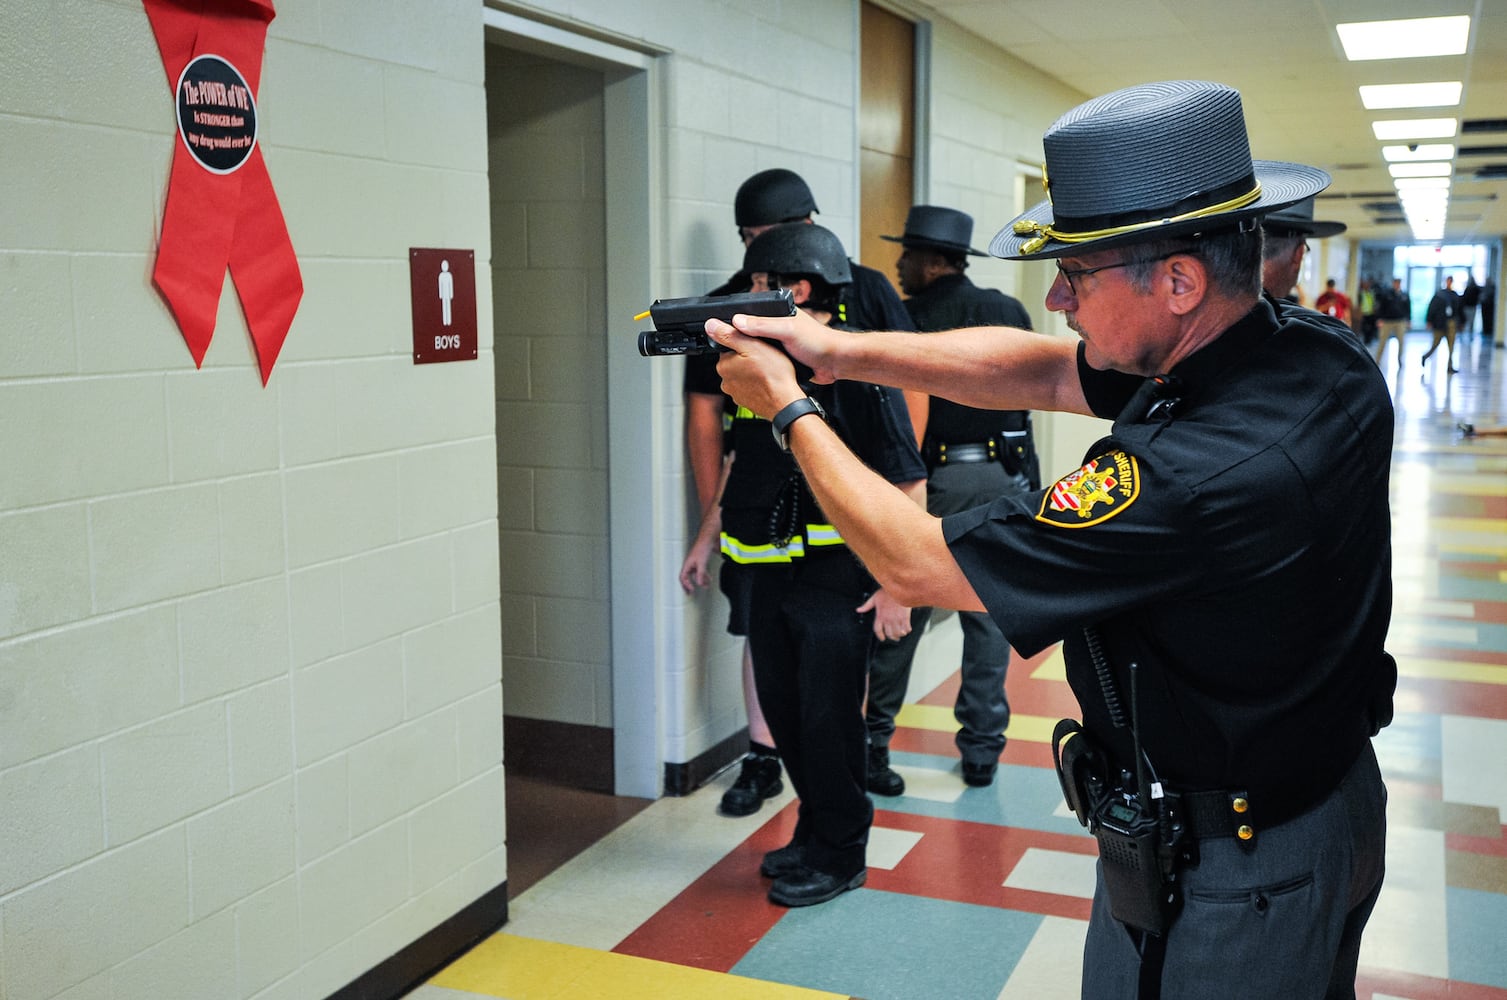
(972, 456)
(867, 302)
(1218, 569)
(1285, 237)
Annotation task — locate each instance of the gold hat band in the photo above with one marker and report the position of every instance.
(1045, 233)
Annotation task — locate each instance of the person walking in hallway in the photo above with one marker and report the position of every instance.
(1443, 311)
(1394, 314)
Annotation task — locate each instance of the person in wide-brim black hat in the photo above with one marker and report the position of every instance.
(935, 243)
(1285, 241)
(1217, 570)
(936, 228)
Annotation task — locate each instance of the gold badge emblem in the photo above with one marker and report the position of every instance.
(1093, 494)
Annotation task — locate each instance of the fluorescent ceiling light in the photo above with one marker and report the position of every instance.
(1415, 202)
(1415, 128)
(1405, 39)
(1444, 94)
(1428, 151)
(1420, 169)
(1421, 183)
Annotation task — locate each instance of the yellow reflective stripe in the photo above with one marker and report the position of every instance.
(739, 552)
(744, 413)
(823, 534)
(816, 535)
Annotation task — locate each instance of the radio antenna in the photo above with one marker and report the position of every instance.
(1142, 784)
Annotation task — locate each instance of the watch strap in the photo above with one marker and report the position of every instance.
(789, 414)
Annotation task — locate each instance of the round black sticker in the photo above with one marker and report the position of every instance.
(216, 114)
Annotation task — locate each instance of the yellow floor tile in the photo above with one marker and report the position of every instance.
(517, 968)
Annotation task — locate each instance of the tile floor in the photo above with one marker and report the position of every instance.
(982, 894)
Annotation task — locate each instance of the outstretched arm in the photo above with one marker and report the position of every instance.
(996, 368)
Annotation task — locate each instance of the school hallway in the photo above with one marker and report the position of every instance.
(983, 893)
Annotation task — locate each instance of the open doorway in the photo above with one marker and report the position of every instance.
(556, 273)
(545, 157)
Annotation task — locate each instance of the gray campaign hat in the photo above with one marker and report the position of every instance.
(1147, 163)
(937, 228)
(1298, 219)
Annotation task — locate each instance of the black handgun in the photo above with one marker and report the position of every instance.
(680, 324)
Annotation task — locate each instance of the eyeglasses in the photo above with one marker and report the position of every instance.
(1069, 273)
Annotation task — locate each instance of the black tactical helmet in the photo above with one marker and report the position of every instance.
(799, 248)
(771, 196)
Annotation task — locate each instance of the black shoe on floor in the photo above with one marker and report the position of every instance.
(759, 780)
(883, 779)
(807, 886)
(782, 861)
(979, 775)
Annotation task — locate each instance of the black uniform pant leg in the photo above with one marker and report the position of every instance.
(982, 709)
(811, 653)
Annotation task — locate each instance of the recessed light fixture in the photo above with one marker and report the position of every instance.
(1427, 151)
(1444, 94)
(1420, 169)
(1415, 128)
(1409, 38)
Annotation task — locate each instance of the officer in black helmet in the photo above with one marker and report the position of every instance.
(868, 302)
(813, 611)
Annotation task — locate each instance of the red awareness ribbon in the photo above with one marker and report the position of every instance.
(224, 213)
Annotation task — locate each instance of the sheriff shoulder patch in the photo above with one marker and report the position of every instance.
(1092, 494)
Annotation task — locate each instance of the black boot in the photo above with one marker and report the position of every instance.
(883, 779)
(807, 886)
(759, 780)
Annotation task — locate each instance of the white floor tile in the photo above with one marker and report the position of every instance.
(1408, 928)
(887, 848)
(1473, 750)
(1060, 872)
(932, 785)
(1052, 966)
(604, 893)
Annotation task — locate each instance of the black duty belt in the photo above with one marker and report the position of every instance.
(1218, 813)
(974, 451)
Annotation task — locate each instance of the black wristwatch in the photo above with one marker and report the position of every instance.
(780, 425)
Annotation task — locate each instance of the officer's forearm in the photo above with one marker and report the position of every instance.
(899, 542)
(995, 368)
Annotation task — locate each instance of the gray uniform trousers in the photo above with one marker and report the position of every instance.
(1283, 919)
(981, 709)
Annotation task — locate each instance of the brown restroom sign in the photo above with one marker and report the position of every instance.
(443, 286)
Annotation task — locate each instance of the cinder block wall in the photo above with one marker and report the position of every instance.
(250, 709)
(250, 702)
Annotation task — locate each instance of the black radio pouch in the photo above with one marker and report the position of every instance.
(1141, 893)
(1139, 881)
